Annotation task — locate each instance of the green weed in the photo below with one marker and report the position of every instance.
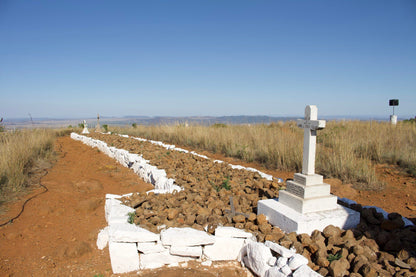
(335, 257)
(132, 215)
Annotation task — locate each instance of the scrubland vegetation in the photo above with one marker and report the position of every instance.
(348, 150)
(19, 151)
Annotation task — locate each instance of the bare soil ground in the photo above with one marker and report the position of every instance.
(57, 231)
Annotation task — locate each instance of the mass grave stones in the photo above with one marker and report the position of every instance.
(306, 204)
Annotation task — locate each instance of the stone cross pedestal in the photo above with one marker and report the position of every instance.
(85, 130)
(307, 204)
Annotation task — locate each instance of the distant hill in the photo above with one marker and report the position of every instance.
(158, 120)
(142, 120)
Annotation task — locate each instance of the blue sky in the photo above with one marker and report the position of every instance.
(180, 58)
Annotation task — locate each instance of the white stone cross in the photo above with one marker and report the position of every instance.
(310, 124)
(85, 131)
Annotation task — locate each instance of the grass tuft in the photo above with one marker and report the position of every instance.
(19, 151)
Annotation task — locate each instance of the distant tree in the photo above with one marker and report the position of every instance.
(105, 126)
(134, 125)
(1, 125)
(81, 125)
(411, 120)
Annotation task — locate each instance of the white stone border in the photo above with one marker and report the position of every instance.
(150, 174)
(173, 147)
(134, 248)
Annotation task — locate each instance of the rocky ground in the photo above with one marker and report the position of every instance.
(214, 194)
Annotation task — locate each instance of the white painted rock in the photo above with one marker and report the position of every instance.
(126, 232)
(286, 270)
(155, 260)
(257, 256)
(282, 251)
(124, 257)
(112, 196)
(274, 272)
(272, 261)
(305, 271)
(281, 261)
(231, 232)
(115, 212)
(102, 238)
(186, 251)
(150, 247)
(224, 249)
(297, 261)
(185, 237)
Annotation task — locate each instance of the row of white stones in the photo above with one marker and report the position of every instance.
(134, 248)
(149, 173)
(174, 148)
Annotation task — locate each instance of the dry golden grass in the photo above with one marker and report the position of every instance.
(347, 150)
(19, 150)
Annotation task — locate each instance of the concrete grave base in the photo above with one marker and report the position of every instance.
(289, 220)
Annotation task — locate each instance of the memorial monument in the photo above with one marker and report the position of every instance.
(307, 204)
(85, 130)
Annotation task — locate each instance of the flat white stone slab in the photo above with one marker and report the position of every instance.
(274, 272)
(232, 232)
(281, 250)
(307, 205)
(150, 247)
(102, 238)
(224, 249)
(305, 271)
(289, 220)
(286, 270)
(186, 251)
(124, 257)
(297, 261)
(125, 232)
(155, 260)
(281, 262)
(185, 237)
(115, 212)
(112, 196)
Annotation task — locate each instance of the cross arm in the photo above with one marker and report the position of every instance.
(311, 124)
